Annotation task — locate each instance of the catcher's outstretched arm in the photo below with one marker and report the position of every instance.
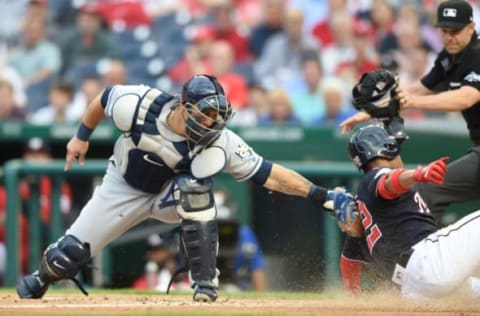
(287, 181)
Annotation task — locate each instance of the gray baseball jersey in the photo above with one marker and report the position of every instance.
(138, 182)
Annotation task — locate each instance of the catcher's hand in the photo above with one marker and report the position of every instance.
(337, 199)
(76, 151)
(349, 220)
(375, 94)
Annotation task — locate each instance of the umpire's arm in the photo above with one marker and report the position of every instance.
(448, 101)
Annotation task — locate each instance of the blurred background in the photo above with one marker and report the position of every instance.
(287, 66)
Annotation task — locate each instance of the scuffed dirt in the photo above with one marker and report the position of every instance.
(228, 304)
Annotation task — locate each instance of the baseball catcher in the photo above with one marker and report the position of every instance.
(375, 94)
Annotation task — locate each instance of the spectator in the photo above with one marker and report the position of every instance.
(412, 55)
(10, 24)
(313, 10)
(364, 56)
(197, 56)
(158, 9)
(59, 109)
(9, 109)
(10, 74)
(282, 56)
(337, 107)
(322, 29)
(225, 28)
(88, 43)
(412, 13)
(39, 9)
(91, 86)
(249, 265)
(114, 73)
(383, 22)
(273, 13)
(235, 86)
(308, 103)
(257, 108)
(341, 50)
(248, 12)
(129, 13)
(160, 255)
(37, 61)
(281, 111)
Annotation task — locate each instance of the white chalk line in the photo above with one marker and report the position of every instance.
(75, 306)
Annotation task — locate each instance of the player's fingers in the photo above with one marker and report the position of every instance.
(443, 167)
(69, 159)
(345, 129)
(81, 159)
(440, 167)
(437, 177)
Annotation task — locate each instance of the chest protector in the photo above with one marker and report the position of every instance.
(146, 170)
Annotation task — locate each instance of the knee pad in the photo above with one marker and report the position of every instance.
(64, 259)
(196, 198)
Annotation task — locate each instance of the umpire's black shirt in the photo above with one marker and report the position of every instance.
(451, 72)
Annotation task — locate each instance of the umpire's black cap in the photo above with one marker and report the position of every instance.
(455, 14)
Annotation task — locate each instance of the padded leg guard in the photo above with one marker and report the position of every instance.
(31, 286)
(200, 244)
(61, 260)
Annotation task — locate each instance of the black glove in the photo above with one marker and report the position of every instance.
(375, 94)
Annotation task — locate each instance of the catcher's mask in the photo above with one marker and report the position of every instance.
(375, 94)
(370, 142)
(207, 110)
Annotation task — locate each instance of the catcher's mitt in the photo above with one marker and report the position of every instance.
(349, 220)
(375, 94)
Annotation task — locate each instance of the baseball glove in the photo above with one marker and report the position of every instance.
(375, 94)
(349, 220)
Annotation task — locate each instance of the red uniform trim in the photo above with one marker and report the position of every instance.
(351, 271)
(394, 182)
(382, 189)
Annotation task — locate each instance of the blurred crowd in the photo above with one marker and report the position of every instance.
(280, 61)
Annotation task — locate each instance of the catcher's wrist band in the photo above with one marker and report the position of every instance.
(84, 132)
(317, 195)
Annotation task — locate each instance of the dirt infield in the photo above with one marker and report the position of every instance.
(228, 304)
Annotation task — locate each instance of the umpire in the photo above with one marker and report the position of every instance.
(452, 85)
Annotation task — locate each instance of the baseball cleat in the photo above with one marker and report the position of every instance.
(32, 287)
(205, 293)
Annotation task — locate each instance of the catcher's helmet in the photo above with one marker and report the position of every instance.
(203, 97)
(370, 142)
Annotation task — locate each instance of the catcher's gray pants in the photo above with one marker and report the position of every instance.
(115, 207)
(462, 184)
